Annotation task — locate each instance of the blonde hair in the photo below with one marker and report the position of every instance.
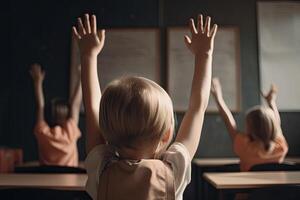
(134, 111)
(262, 125)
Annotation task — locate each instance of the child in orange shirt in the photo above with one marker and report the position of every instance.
(129, 134)
(263, 141)
(58, 144)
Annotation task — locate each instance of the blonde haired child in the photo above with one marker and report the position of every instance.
(129, 133)
(57, 143)
(263, 141)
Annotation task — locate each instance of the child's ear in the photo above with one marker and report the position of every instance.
(167, 135)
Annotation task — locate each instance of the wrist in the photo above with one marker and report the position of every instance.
(271, 103)
(41, 105)
(88, 56)
(38, 82)
(203, 54)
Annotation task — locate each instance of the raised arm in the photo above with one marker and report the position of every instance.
(75, 101)
(38, 76)
(201, 45)
(90, 44)
(228, 119)
(270, 98)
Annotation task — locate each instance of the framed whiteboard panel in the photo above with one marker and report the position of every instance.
(134, 51)
(279, 51)
(226, 66)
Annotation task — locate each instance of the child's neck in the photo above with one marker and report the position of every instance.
(135, 154)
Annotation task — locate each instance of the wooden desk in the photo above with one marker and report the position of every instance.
(249, 180)
(47, 181)
(36, 163)
(202, 165)
(214, 162)
(245, 181)
(292, 160)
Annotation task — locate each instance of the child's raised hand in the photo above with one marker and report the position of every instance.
(271, 95)
(90, 41)
(216, 88)
(202, 40)
(37, 73)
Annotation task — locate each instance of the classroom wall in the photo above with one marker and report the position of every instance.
(40, 32)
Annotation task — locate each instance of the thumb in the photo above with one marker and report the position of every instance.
(262, 94)
(187, 42)
(101, 35)
(75, 34)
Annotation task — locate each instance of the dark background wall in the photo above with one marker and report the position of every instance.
(39, 31)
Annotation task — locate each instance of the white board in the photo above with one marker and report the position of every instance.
(126, 52)
(279, 51)
(226, 66)
(130, 52)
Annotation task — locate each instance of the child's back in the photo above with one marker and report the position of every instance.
(57, 144)
(136, 118)
(145, 179)
(263, 141)
(129, 135)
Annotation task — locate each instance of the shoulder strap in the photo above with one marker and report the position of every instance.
(170, 185)
(103, 188)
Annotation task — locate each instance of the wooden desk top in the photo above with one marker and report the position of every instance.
(202, 162)
(213, 162)
(49, 181)
(36, 163)
(249, 180)
(210, 162)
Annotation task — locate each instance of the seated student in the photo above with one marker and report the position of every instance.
(57, 144)
(263, 141)
(129, 134)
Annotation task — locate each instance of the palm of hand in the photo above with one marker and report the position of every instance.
(202, 39)
(90, 44)
(90, 41)
(36, 72)
(201, 43)
(272, 94)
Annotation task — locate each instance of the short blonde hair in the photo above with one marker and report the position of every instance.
(134, 111)
(262, 125)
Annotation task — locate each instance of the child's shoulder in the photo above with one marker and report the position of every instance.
(242, 136)
(241, 140)
(176, 149)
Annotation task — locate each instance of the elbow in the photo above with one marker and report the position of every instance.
(286, 150)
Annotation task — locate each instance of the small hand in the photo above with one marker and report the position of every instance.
(216, 88)
(202, 40)
(37, 73)
(271, 95)
(89, 40)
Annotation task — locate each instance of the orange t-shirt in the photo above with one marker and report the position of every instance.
(58, 145)
(252, 152)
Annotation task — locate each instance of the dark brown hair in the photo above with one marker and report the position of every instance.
(60, 111)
